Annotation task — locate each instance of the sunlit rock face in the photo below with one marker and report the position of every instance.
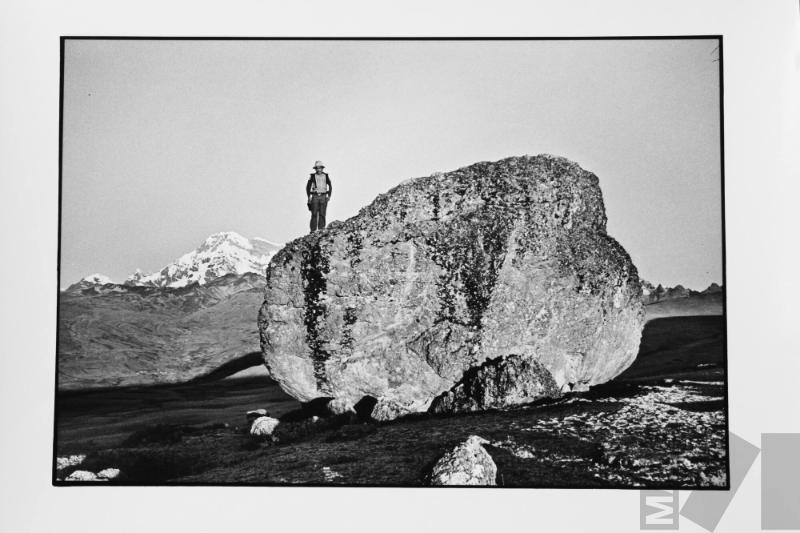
(444, 272)
(466, 464)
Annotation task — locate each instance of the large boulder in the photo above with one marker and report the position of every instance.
(444, 272)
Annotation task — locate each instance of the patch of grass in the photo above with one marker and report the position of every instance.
(167, 434)
(351, 432)
(305, 429)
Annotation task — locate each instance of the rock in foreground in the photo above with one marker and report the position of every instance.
(263, 426)
(445, 272)
(255, 414)
(108, 473)
(466, 464)
(69, 460)
(82, 475)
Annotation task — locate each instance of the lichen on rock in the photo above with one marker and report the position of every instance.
(445, 272)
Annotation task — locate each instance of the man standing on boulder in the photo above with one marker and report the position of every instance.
(318, 190)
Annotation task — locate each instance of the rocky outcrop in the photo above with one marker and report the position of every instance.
(466, 464)
(498, 383)
(445, 272)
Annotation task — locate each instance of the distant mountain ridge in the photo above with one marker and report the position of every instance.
(120, 335)
(92, 280)
(189, 319)
(221, 254)
(663, 301)
(653, 294)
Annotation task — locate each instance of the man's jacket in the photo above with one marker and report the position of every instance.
(311, 185)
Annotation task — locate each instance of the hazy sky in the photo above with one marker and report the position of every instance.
(167, 142)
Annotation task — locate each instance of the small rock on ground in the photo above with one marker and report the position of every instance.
(386, 409)
(263, 426)
(466, 464)
(70, 460)
(108, 473)
(81, 475)
(340, 406)
(256, 413)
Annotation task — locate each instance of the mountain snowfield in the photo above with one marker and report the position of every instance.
(92, 280)
(96, 279)
(220, 254)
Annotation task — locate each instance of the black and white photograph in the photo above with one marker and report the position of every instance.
(399, 267)
(408, 262)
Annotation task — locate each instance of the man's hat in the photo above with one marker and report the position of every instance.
(319, 164)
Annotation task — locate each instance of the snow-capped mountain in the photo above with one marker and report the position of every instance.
(96, 279)
(92, 280)
(118, 335)
(221, 254)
